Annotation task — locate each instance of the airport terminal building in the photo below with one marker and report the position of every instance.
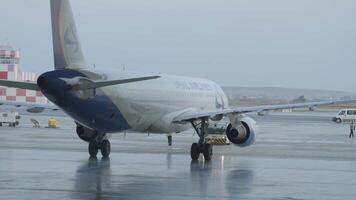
(9, 70)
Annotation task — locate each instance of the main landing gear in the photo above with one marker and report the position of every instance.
(202, 146)
(99, 142)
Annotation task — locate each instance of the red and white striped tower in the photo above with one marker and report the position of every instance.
(9, 70)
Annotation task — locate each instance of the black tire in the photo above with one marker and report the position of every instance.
(194, 151)
(338, 120)
(93, 148)
(208, 151)
(169, 140)
(105, 148)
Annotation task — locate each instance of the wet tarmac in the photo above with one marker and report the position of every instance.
(296, 156)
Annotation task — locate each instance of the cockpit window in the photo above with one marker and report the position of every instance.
(342, 112)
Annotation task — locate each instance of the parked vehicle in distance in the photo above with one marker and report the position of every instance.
(217, 135)
(217, 128)
(345, 116)
(9, 117)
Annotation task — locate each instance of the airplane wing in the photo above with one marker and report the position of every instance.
(30, 107)
(89, 84)
(198, 114)
(77, 84)
(19, 84)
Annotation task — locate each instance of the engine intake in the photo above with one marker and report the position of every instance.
(86, 134)
(244, 134)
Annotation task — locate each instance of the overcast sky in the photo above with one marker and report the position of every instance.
(283, 43)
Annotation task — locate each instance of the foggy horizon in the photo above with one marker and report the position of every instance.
(288, 44)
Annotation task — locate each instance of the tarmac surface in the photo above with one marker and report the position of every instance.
(296, 156)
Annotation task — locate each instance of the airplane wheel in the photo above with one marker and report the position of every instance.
(105, 148)
(169, 140)
(208, 151)
(194, 151)
(93, 148)
(338, 120)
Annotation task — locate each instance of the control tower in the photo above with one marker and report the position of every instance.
(9, 70)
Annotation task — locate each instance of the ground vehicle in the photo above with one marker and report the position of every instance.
(345, 115)
(9, 117)
(217, 134)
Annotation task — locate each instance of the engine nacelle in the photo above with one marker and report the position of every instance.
(86, 134)
(244, 134)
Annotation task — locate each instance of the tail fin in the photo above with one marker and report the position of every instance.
(66, 47)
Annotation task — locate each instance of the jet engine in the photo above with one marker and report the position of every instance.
(86, 134)
(243, 134)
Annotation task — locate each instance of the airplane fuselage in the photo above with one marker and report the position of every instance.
(147, 106)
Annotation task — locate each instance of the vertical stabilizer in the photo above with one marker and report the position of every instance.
(66, 47)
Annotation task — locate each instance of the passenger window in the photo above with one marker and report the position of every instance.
(351, 112)
(342, 112)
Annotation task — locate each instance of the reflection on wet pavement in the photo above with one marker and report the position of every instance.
(316, 163)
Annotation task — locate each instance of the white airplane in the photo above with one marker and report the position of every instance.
(105, 102)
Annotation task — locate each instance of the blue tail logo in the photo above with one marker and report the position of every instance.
(70, 38)
(219, 102)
